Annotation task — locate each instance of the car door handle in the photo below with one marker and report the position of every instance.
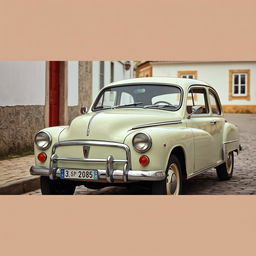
(213, 122)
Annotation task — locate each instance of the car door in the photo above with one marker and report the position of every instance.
(217, 123)
(201, 123)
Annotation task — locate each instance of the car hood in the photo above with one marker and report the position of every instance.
(116, 124)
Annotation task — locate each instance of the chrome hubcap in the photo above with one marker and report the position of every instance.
(230, 163)
(172, 180)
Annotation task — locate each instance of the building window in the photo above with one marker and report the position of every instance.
(187, 74)
(112, 72)
(239, 84)
(102, 70)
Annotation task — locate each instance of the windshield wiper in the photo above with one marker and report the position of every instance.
(160, 106)
(128, 105)
(119, 106)
(102, 107)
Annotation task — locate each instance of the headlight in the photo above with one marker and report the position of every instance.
(141, 142)
(43, 140)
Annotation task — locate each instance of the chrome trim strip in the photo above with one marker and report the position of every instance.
(132, 175)
(193, 174)
(86, 160)
(90, 121)
(231, 141)
(156, 124)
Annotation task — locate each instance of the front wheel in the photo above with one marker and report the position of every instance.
(225, 170)
(173, 183)
(56, 187)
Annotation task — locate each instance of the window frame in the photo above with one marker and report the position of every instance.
(206, 101)
(216, 96)
(94, 109)
(239, 96)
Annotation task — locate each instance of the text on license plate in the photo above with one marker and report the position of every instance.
(78, 174)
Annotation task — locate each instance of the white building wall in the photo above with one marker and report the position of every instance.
(73, 74)
(216, 74)
(22, 83)
(107, 73)
(119, 74)
(95, 78)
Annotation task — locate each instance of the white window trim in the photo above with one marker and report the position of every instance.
(239, 84)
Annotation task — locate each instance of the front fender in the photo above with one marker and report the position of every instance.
(164, 140)
(54, 132)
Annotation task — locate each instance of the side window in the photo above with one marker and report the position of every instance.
(215, 105)
(197, 97)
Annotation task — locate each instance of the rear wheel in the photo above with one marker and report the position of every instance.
(56, 187)
(173, 183)
(225, 170)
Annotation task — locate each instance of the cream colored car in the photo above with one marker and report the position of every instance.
(160, 131)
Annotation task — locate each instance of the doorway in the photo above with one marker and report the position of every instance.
(56, 95)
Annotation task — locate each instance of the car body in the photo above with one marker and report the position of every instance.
(158, 130)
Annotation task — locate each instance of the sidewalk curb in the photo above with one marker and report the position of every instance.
(21, 186)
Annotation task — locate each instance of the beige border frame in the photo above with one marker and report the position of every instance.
(231, 96)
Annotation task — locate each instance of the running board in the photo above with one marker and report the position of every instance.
(193, 174)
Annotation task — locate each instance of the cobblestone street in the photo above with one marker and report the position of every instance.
(15, 169)
(244, 176)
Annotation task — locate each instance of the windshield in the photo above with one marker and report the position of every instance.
(167, 97)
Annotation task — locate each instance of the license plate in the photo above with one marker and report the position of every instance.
(78, 174)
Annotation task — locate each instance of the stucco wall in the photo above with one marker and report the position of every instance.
(216, 74)
(73, 77)
(22, 83)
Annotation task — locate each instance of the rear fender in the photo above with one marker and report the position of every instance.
(231, 140)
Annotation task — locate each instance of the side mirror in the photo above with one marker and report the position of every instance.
(83, 110)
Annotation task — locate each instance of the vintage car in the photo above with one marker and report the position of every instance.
(159, 131)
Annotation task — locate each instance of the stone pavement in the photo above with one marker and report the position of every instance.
(15, 177)
(244, 176)
(15, 169)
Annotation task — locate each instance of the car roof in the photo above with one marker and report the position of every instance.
(182, 82)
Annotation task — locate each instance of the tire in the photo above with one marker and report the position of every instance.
(225, 170)
(56, 187)
(173, 173)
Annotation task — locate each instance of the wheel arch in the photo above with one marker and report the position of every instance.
(179, 152)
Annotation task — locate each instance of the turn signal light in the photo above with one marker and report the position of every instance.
(42, 157)
(144, 160)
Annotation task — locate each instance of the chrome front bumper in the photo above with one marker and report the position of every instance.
(132, 175)
(109, 174)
